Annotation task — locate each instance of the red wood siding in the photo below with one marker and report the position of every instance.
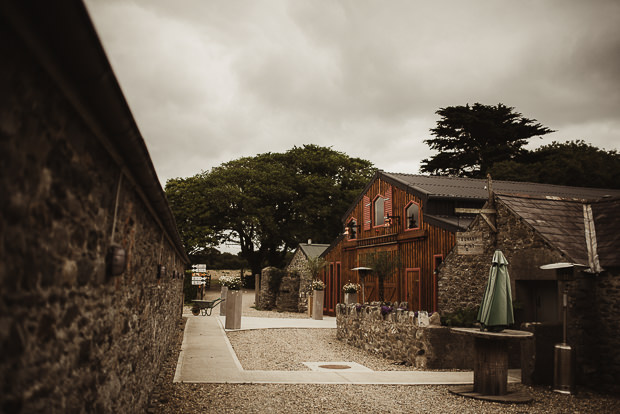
(418, 250)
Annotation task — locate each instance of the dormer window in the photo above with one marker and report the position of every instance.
(379, 211)
(412, 214)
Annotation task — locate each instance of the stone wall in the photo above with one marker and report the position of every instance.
(462, 278)
(73, 338)
(593, 328)
(298, 264)
(593, 306)
(279, 289)
(396, 336)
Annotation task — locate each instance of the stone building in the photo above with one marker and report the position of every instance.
(79, 332)
(534, 231)
(298, 266)
(417, 218)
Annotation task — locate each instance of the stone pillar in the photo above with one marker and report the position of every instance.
(350, 298)
(317, 304)
(256, 289)
(223, 304)
(234, 299)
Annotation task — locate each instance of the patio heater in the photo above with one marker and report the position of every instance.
(363, 271)
(564, 356)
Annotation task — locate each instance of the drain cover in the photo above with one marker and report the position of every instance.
(335, 366)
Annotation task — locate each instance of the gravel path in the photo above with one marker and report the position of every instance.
(285, 349)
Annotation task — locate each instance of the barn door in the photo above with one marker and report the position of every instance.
(412, 288)
(390, 286)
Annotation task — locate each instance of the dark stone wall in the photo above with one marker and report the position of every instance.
(279, 289)
(72, 338)
(299, 264)
(462, 278)
(594, 328)
(593, 300)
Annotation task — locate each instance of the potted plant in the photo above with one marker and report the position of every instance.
(314, 266)
(350, 293)
(318, 295)
(234, 300)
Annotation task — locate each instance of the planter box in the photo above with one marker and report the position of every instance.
(234, 300)
(317, 304)
(223, 304)
(350, 298)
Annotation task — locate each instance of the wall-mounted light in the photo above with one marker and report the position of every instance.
(390, 219)
(116, 260)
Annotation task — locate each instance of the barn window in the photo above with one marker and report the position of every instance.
(412, 212)
(351, 229)
(379, 207)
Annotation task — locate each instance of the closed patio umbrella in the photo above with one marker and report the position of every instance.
(495, 312)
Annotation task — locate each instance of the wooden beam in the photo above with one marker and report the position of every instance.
(489, 222)
(475, 210)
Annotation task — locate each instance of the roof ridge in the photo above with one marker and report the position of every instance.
(451, 177)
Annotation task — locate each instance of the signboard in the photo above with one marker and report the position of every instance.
(469, 243)
(198, 280)
(199, 267)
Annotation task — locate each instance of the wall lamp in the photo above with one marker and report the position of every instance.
(390, 219)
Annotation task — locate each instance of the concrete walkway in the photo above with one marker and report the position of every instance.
(207, 357)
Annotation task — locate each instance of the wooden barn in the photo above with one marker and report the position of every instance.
(416, 217)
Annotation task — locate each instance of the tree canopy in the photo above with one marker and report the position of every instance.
(470, 139)
(572, 163)
(268, 203)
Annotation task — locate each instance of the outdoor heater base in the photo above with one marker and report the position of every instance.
(514, 397)
(564, 369)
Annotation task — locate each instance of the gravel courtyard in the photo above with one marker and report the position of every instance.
(286, 349)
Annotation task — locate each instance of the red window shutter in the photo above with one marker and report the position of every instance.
(388, 201)
(366, 208)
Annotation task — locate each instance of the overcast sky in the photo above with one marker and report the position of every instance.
(210, 81)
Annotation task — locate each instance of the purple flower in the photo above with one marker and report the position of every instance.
(386, 310)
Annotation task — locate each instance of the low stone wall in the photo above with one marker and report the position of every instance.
(397, 336)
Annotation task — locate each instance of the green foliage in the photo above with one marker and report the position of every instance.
(214, 259)
(573, 163)
(192, 218)
(315, 265)
(276, 280)
(383, 265)
(464, 318)
(269, 203)
(470, 139)
(189, 291)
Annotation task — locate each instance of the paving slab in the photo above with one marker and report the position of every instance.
(207, 357)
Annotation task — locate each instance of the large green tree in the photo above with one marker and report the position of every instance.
(573, 163)
(470, 139)
(269, 203)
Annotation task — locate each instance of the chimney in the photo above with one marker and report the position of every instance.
(309, 241)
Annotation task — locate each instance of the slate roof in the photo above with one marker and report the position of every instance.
(312, 250)
(561, 223)
(607, 223)
(475, 188)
